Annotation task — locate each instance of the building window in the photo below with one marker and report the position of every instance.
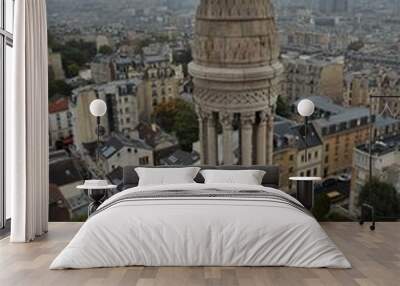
(326, 172)
(144, 160)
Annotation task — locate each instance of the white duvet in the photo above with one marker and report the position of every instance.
(200, 232)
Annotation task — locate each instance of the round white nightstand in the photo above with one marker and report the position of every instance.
(305, 190)
(97, 195)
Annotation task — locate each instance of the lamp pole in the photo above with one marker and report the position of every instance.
(98, 141)
(305, 138)
(306, 108)
(98, 108)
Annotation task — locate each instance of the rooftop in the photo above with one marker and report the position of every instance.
(347, 115)
(153, 135)
(116, 176)
(118, 141)
(58, 105)
(382, 147)
(64, 172)
(181, 158)
(324, 104)
(288, 134)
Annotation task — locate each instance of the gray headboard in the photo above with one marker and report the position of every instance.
(271, 178)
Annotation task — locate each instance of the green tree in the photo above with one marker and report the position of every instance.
(105, 50)
(322, 206)
(141, 44)
(382, 196)
(72, 70)
(74, 53)
(59, 87)
(178, 117)
(282, 107)
(164, 115)
(186, 126)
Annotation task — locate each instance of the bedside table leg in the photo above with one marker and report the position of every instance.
(97, 197)
(305, 193)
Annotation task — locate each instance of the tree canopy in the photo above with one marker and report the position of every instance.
(75, 54)
(105, 50)
(282, 107)
(178, 117)
(382, 196)
(58, 87)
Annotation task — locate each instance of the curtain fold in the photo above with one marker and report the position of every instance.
(27, 124)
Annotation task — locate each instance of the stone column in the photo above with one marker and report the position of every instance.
(262, 139)
(212, 141)
(226, 120)
(270, 140)
(202, 136)
(246, 123)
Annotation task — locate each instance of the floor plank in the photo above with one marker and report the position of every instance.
(375, 257)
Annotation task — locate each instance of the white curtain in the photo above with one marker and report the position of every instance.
(27, 124)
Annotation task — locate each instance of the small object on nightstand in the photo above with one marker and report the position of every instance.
(97, 192)
(305, 190)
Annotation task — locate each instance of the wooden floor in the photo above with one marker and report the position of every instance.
(375, 257)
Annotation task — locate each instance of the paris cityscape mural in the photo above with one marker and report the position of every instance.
(179, 92)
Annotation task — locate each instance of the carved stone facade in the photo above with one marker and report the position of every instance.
(236, 75)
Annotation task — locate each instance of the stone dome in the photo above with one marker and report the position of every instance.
(235, 33)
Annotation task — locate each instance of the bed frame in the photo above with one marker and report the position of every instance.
(271, 178)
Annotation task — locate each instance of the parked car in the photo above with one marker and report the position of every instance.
(329, 182)
(344, 177)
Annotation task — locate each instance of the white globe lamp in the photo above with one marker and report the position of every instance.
(306, 108)
(98, 108)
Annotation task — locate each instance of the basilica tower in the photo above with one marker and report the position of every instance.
(236, 74)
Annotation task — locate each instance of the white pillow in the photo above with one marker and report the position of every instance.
(166, 176)
(247, 177)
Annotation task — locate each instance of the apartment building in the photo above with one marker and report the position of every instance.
(60, 122)
(125, 108)
(340, 134)
(120, 151)
(312, 75)
(385, 166)
(290, 151)
(162, 79)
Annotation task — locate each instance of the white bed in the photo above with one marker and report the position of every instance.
(201, 231)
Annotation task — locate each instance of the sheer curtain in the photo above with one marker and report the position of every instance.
(27, 124)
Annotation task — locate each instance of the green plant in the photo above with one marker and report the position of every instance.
(382, 196)
(179, 117)
(105, 50)
(282, 107)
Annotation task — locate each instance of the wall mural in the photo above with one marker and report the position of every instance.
(219, 83)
